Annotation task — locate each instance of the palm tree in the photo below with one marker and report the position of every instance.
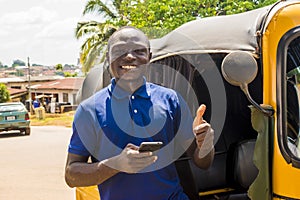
(97, 33)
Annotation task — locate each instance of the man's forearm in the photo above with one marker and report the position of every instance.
(204, 162)
(80, 174)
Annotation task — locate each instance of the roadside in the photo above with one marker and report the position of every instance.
(32, 167)
(61, 119)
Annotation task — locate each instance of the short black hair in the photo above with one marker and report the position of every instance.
(126, 27)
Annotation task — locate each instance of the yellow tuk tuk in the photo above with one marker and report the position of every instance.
(245, 68)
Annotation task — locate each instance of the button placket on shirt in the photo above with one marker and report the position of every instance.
(135, 111)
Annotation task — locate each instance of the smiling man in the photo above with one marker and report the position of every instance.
(110, 126)
(128, 55)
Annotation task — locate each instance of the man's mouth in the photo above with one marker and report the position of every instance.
(128, 67)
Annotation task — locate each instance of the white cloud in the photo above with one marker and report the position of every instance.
(61, 1)
(59, 29)
(40, 29)
(35, 15)
(56, 43)
(3, 32)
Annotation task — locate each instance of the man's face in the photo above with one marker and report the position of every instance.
(128, 54)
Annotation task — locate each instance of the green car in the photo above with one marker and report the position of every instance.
(14, 116)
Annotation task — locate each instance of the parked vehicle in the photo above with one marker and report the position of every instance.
(230, 63)
(14, 116)
(60, 105)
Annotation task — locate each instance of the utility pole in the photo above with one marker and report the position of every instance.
(29, 87)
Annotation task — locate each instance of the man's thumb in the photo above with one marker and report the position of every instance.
(200, 112)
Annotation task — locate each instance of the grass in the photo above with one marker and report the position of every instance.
(63, 119)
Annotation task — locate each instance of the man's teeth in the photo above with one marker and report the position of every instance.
(128, 67)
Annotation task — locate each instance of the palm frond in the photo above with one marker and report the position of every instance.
(117, 4)
(92, 50)
(85, 28)
(94, 57)
(99, 7)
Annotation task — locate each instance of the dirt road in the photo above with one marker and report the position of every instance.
(32, 167)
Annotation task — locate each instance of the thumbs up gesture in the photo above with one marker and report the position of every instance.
(203, 132)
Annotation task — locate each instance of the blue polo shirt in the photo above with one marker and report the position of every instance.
(106, 122)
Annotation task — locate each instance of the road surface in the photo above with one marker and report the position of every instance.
(32, 167)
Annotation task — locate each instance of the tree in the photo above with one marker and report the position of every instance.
(4, 93)
(35, 65)
(59, 67)
(18, 63)
(2, 65)
(158, 17)
(155, 17)
(68, 74)
(97, 33)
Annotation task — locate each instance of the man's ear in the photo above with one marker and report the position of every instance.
(107, 57)
(150, 55)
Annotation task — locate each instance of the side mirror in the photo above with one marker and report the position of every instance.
(239, 69)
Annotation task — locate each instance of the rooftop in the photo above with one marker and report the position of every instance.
(73, 83)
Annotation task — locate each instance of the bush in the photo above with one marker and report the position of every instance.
(4, 93)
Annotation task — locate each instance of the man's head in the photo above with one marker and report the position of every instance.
(128, 52)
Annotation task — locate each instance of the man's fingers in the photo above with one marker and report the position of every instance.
(206, 139)
(132, 146)
(137, 164)
(201, 128)
(138, 154)
(145, 161)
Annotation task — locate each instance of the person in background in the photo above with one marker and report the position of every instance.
(36, 103)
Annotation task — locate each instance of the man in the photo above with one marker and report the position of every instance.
(110, 126)
(36, 103)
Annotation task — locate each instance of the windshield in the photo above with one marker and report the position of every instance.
(11, 107)
(292, 96)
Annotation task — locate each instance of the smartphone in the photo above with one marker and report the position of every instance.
(150, 146)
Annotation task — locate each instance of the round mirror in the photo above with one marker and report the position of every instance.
(239, 68)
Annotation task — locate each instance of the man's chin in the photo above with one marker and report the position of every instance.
(126, 78)
(132, 76)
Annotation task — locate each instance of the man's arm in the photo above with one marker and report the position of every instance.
(202, 150)
(202, 160)
(80, 173)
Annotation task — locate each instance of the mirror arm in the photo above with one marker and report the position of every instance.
(267, 112)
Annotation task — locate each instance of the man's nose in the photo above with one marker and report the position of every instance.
(130, 56)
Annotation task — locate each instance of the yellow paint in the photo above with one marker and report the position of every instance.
(87, 193)
(285, 177)
(215, 191)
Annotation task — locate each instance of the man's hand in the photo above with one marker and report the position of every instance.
(203, 132)
(130, 160)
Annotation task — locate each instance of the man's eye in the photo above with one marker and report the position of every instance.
(140, 51)
(118, 53)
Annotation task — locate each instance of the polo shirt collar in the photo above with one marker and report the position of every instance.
(120, 93)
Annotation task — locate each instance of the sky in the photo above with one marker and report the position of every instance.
(43, 30)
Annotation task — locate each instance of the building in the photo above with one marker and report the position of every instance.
(56, 89)
(61, 90)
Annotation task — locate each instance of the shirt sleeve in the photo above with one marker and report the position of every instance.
(76, 146)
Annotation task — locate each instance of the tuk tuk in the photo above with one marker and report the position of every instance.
(245, 68)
